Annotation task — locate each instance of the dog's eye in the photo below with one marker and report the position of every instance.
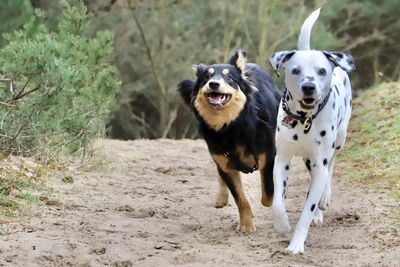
(228, 78)
(295, 71)
(322, 72)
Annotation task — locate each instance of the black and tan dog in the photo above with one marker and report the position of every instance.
(236, 105)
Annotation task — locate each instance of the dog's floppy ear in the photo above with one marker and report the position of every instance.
(199, 69)
(279, 58)
(239, 60)
(341, 60)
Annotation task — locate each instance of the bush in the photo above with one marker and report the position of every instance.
(14, 14)
(57, 87)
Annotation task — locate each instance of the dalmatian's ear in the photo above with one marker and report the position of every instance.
(199, 69)
(239, 60)
(279, 58)
(341, 60)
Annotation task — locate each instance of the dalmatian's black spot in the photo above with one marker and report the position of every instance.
(350, 61)
(314, 165)
(287, 97)
(340, 122)
(334, 105)
(283, 194)
(318, 142)
(337, 90)
(333, 127)
(310, 78)
(290, 95)
(277, 66)
(308, 164)
(322, 133)
(345, 101)
(295, 137)
(278, 129)
(345, 81)
(338, 55)
(294, 123)
(338, 148)
(287, 167)
(333, 145)
(312, 207)
(351, 102)
(325, 162)
(273, 55)
(284, 183)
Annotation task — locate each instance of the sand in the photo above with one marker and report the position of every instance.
(150, 204)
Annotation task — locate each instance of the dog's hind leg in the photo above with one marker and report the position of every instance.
(267, 180)
(281, 174)
(221, 200)
(326, 195)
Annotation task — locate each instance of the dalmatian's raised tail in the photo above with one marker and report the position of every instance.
(305, 33)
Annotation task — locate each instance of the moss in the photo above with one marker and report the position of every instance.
(68, 179)
(19, 187)
(28, 196)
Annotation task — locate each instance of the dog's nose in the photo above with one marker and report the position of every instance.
(213, 85)
(308, 88)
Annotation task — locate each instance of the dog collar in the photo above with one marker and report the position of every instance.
(305, 120)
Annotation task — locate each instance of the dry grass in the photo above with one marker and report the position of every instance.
(21, 184)
(372, 153)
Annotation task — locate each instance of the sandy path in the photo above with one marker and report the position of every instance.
(152, 207)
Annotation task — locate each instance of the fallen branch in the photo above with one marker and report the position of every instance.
(6, 104)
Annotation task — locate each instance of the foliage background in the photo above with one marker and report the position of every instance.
(57, 85)
(156, 42)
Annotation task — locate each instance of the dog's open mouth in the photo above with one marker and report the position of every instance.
(217, 100)
(308, 103)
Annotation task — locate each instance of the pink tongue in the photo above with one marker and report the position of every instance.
(217, 99)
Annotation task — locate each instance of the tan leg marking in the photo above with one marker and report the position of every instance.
(221, 200)
(246, 215)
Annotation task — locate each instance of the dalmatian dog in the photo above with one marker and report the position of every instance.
(313, 117)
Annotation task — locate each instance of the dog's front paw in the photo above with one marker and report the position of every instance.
(221, 200)
(318, 217)
(297, 243)
(247, 227)
(280, 220)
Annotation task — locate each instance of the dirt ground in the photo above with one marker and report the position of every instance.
(150, 204)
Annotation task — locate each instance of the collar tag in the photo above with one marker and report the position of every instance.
(287, 121)
(307, 124)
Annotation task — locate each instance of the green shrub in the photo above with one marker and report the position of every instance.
(57, 87)
(14, 14)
